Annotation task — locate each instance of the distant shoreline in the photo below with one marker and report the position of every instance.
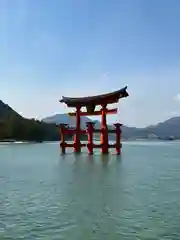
(14, 141)
(123, 140)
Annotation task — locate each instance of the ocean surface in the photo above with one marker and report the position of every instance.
(46, 196)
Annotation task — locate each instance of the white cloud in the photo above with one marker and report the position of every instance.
(177, 97)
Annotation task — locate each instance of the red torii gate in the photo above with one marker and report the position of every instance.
(90, 103)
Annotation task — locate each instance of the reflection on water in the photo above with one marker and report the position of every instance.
(47, 196)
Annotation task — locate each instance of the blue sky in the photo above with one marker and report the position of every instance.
(86, 47)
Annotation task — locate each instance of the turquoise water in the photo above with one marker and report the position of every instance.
(46, 196)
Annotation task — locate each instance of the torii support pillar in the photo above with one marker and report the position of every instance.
(77, 142)
(104, 131)
(118, 138)
(62, 137)
(90, 130)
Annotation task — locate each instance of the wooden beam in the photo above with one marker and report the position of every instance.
(71, 145)
(73, 131)
(95, 113)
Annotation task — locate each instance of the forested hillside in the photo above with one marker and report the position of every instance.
(15, 127)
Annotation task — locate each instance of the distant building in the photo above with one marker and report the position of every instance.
(152, 136)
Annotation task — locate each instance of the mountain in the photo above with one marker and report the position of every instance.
(128, 132)
(6, 112)
(13, 126)
(168, 129)
(65, 118)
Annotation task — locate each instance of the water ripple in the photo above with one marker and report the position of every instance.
(45, 197)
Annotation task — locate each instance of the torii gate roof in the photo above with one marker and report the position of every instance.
(107, 98)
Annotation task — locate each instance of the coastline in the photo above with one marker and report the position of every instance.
(111, 141)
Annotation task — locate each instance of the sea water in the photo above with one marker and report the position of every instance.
(44, 195)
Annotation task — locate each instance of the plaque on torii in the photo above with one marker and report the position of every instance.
(90, 103)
